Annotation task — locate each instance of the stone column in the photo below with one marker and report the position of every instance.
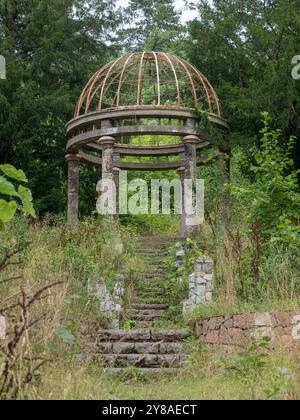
(183, 234)
(190, 145)
(107, 143)
(116, 175)
(73, 188)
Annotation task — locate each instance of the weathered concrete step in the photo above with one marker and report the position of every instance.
(144, 317)
(147, 347)
(144, 371)
(143, 360)
(152, 271)
(140, 306)
(161, 257)
(151, 252)
(143, 334)
(157, 239)
(156, 313)
(146, 324)
(152, 291)
(155, 266)
(153, 279)
(150, 299)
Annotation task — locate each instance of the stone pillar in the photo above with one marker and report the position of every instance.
(201, 284)
(116, 175)
(183, 234)
(190, 146)
(107, 143)
(190, 143)
(73, 188)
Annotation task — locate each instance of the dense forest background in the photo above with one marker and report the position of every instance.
(244, 47)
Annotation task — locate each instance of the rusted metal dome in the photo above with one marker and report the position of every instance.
(146, 79)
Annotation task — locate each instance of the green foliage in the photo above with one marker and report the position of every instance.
(245, 48)
(156, 25)
(271, 202)
(51, 49)
(252, 362)
(22, 195)
(65, 334)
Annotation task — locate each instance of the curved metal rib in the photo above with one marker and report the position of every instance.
(203, 84)
(105, 80)
(175, 76)
(190, 77)
(158, 77)
(140, 80)
(88, 87)
(121, 77)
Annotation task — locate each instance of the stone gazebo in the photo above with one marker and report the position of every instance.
(137, 95)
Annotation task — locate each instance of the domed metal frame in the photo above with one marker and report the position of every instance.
(140, 94)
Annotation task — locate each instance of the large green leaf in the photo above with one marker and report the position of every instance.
(26, 197)
(66, 336)
(7, 188)
(7, 210)
(13, 173)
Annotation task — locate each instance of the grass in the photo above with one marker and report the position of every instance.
(204, 378)
(56, 253)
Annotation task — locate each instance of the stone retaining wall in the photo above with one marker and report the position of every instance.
(234, 331)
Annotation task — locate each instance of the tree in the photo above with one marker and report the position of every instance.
(245, 47)
(151, 25)
(52, 48)
(269, 202)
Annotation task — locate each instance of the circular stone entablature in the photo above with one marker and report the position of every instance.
(142, 95)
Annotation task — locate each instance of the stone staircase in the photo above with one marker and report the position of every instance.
(145, 347)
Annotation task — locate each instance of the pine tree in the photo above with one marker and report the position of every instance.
(151, 25)
(52, 48)
(245, 47)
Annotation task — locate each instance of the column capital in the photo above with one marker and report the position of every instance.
(182, 169)
(73, 157)
(191, 139)
(107, 141)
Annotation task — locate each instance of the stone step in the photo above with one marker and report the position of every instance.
(146, 324)
(153, 272)
(149, 306)
(158, 263)
(143, 360)
(142, 335)
(153, 269)
(152, 290)
(143, 371)
(144, 317)
(147, 347)
(153, 277)
(155, 300)
(151, 252)
(155, 313)
(157, 239)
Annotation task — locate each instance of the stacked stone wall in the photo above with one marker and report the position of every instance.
(234, 331)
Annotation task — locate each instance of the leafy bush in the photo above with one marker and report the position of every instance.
(13, 198)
